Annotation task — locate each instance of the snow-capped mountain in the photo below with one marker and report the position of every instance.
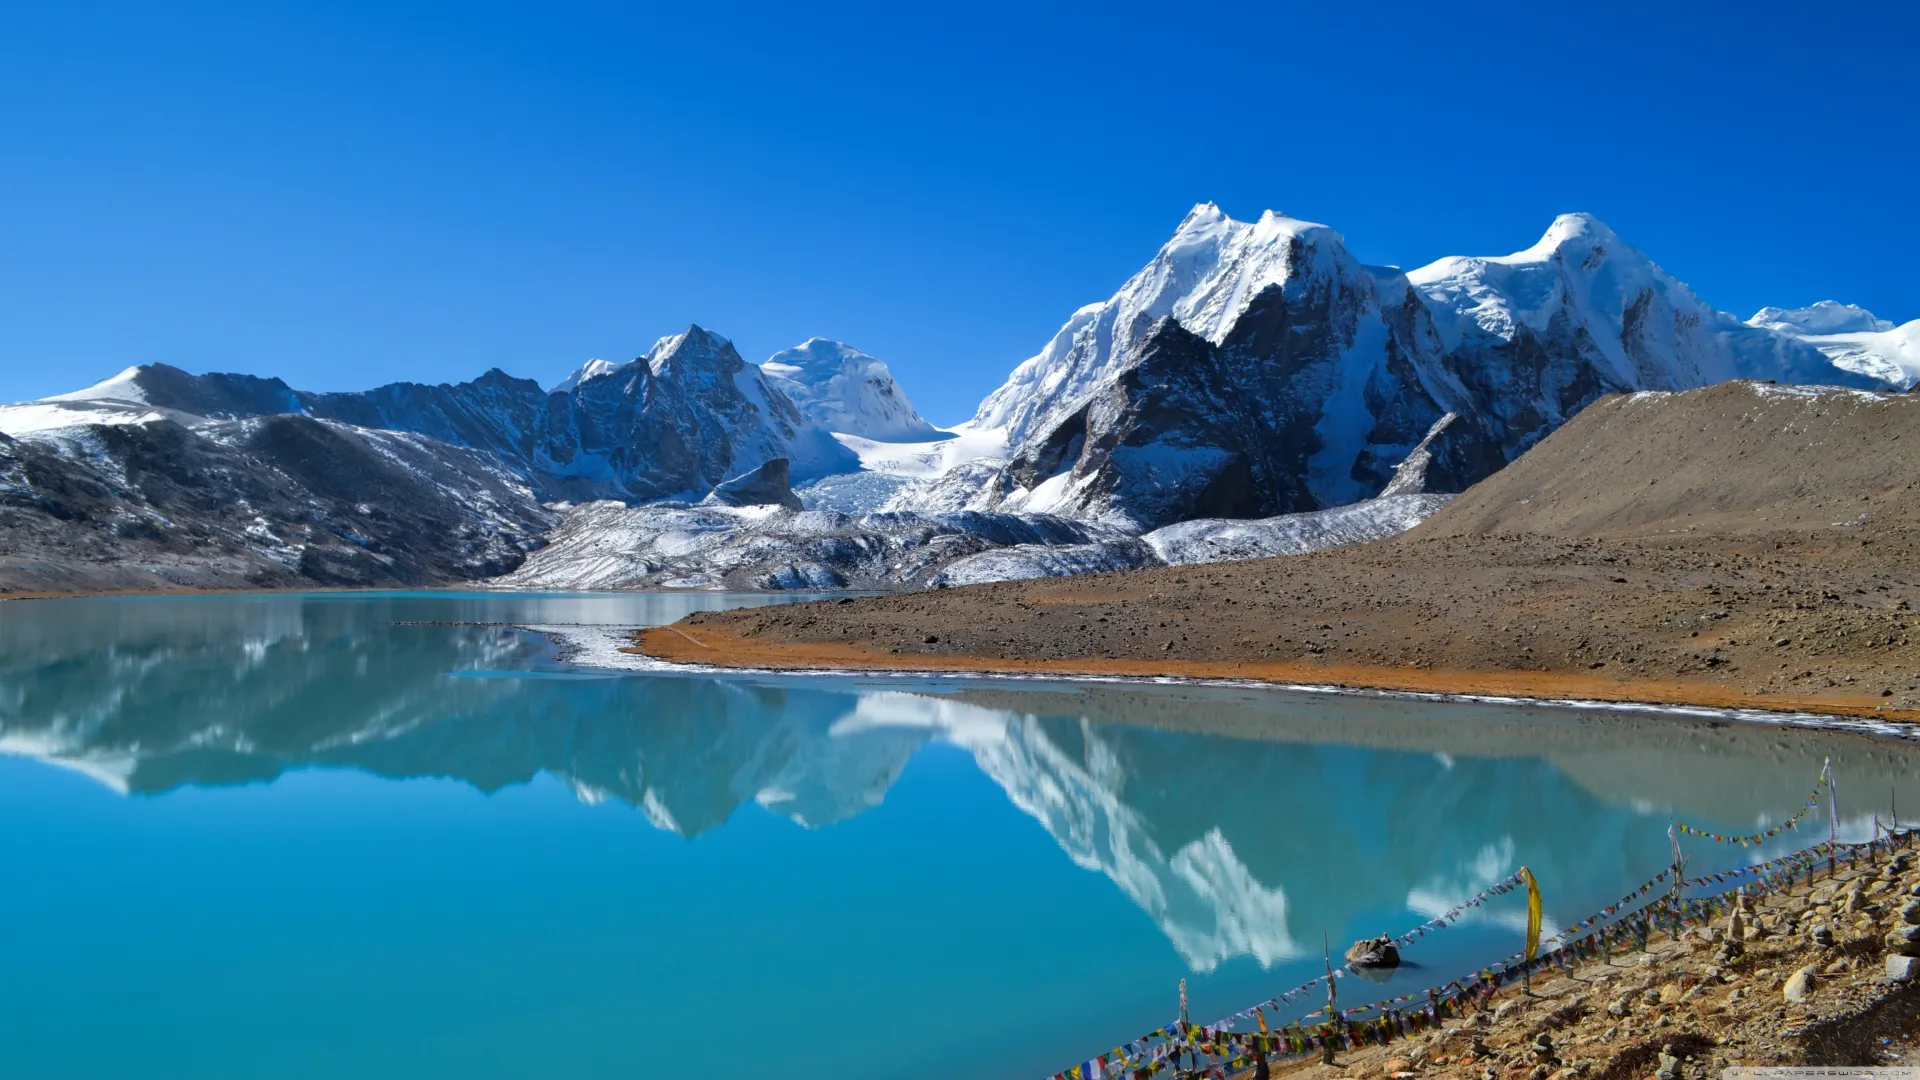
(685, 416)
(1853, 338)
(157, 477)
(1203, 277)
(1251, 371)
(1592, 304)
(846, 391)
(1258, 369)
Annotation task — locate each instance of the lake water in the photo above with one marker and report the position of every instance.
(360, 835)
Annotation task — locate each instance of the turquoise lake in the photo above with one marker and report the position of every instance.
(391, 835)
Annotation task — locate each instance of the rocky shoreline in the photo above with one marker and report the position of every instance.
(1820, 973)
(1818, 966)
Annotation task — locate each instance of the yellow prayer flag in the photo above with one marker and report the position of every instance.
(1533, 912)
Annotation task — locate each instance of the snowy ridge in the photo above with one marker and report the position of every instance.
(1822, 317)
(1852, 338)
(1645, 328)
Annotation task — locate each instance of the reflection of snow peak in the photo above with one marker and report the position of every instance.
(1202, 896)
(1492, 863)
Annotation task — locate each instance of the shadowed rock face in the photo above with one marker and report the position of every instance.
(271, 502)
(764, 486)
(1313, 394)
(680, 420)
(218, 395)
(1167, 440)
(1189, 429)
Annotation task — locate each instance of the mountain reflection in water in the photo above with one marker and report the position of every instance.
(1241, 821)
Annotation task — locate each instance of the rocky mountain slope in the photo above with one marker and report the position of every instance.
(1733, 460)
(267, 502)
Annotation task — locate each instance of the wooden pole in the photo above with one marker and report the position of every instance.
(1332, 1029)
(1833, 822)
(1186, 1032)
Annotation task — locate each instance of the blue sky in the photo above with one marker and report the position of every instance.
(347, 194)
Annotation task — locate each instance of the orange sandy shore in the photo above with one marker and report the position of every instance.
(707, 645)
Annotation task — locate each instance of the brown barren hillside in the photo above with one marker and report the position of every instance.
(1731, 460)
(1739, 545)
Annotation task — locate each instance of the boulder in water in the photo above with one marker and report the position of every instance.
(1374, 953)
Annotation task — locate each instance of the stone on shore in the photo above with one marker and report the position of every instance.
(1799, 985)
(1904, 941)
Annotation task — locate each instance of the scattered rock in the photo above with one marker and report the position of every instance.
(1669, 1064)
(1799, 985)
(1904, 941)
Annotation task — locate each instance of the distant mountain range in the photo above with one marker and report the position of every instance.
(1250, 371)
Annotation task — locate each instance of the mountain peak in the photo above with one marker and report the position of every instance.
(592, 369)
(694, 347)
(124, 386)
(1202, 216)
(1579, 230)
(845, 390)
